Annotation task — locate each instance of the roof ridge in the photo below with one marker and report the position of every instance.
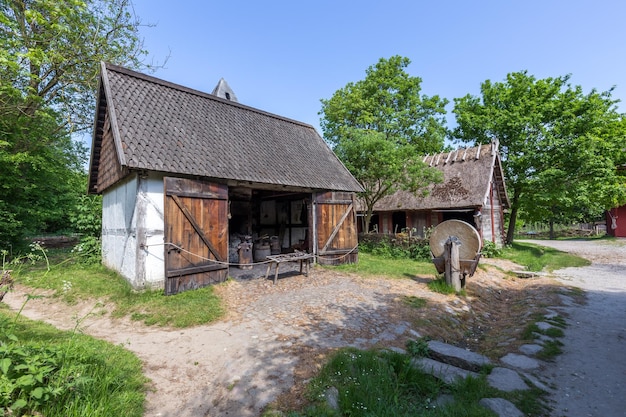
(179, 87)
(448, 154)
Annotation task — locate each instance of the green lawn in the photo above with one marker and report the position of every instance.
(372, 265)
(539, 258)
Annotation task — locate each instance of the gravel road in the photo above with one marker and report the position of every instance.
(590, 376)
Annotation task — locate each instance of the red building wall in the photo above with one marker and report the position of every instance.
(616, 222)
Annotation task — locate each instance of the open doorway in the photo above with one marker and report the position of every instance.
(398, 218)
(272, 221)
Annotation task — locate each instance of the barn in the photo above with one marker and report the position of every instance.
(186, 177)
(473, 190)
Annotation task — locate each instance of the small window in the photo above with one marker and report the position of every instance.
(227, 96)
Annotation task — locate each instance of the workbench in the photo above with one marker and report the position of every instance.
(297, 256)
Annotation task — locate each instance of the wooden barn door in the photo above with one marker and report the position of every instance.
(196, 234)
(336, 236)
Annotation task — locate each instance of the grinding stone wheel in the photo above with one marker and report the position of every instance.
(469, 237)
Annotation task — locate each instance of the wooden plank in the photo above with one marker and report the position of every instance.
(337, 227)
(339, 251)
(197, 228)
(335, 202)
(195, 270)
(198, 194)
(196, 220)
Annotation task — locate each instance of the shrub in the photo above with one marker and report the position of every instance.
(395, 246)
(89, 250)
(87, 220)
(490, 250)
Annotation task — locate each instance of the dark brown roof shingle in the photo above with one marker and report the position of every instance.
(173, 129)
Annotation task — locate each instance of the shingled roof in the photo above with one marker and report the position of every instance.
(159, 126)
(466, 182)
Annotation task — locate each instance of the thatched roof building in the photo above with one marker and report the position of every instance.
(473, 190)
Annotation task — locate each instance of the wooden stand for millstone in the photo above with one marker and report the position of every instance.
(452, 263)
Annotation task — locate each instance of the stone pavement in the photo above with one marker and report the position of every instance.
(513, 372)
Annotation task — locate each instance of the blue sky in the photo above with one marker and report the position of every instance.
(284, 56)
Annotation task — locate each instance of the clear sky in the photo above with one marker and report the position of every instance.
(284, 56)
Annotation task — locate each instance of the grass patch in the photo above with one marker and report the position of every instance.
(538, 258)
(557, 321)
(72, 282)
(529, 331)
(50, 372)
(418, 348)
(414, 302)
(531, 402)
(372, 383)
(553, 332)
(441, 286)
(373, 265)
(551, 349)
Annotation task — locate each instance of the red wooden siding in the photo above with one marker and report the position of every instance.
(616, 222)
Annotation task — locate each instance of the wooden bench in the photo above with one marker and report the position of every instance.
(297, 256)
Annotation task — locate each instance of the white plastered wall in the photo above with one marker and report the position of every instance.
(133, 230)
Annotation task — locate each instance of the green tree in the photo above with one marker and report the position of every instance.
(41, 173)
(49, 62)
(560, 147)
(380, 125)
(50, 51)
(382, 167)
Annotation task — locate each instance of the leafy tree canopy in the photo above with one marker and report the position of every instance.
(40, 171)
(380, 126)
(50, 51)
(49, 62)
(383, 167)
(387, 101)
(561, 148)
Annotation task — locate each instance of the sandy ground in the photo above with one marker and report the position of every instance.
(590, 375)
(275, 337)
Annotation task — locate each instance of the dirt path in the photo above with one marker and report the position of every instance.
(590, 375)
(275, 336)
(238, 365)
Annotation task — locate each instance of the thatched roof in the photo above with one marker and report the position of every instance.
(467, 175)
(158, 126)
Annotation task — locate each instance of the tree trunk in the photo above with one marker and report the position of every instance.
(368, 218)
(512, 218)
(510, 234)
(552, 229)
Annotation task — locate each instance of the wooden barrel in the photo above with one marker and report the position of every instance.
(261, 251)
(274, 245)
(245, 255)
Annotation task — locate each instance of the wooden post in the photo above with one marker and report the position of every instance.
(453, 263)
